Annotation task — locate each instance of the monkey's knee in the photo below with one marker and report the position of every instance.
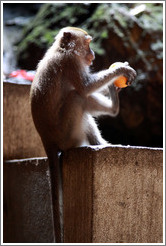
(114, 111)
(93, 133)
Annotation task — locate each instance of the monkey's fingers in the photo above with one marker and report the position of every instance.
(118, 89)
(126, 63)
(128, 83)
(131, 75)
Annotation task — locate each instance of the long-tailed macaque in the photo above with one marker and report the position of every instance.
(65, 97)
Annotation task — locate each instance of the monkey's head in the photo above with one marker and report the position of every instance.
(77, 43)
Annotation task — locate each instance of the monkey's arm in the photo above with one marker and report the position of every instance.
(97, 81)
(98, 104)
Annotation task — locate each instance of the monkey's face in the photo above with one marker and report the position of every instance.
(86, 54)
(77, 43)
(89, 54)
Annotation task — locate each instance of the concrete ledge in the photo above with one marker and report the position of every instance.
(20, 138)
(27, 202)
(111, 195)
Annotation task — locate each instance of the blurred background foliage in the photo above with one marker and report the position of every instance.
(130, 32)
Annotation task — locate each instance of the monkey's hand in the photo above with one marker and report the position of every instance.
(123, 69)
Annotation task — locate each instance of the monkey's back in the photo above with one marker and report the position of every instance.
(52, 110)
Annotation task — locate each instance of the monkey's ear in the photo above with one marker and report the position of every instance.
(66, 39)
(67, 36)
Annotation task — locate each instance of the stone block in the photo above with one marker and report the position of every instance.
(27, 202)
(113, 195)
(20, 138)
(110, 195)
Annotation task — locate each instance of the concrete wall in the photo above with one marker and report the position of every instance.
(20, 138)
(114, 195)
(111, 195)
(27, 202)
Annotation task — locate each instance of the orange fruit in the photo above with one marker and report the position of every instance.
(121, 80)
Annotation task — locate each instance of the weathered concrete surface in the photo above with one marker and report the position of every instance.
(20, 138)
(78, 195)
(113, 195)
(27, 202)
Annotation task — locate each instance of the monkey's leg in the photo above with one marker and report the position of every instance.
(93, 133)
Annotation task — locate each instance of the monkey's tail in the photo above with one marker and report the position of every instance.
(55, 166)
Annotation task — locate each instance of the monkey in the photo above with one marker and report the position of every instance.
(65, 99)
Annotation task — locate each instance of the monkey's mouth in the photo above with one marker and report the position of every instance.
(90, 62)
